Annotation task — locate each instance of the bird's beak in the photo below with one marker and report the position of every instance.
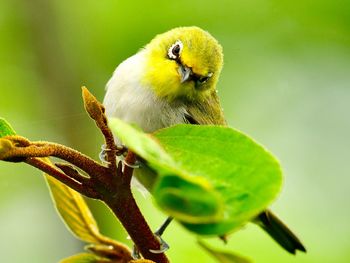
(185, 73)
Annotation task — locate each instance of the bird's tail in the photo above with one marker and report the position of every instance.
(279, 232)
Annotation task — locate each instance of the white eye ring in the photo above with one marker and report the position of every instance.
(175, 50)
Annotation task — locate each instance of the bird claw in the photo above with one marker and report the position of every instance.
(135, 253)
(121, 149)
(103, 154)
(136, 165)
(163, 245)
(224, 239)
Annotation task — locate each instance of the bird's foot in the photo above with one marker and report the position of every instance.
(135, 253)
(103, 154)
(163, 245)
(121, 150)
(135, 165)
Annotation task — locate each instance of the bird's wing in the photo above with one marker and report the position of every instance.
(206, 112)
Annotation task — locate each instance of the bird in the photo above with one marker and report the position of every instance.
(172, 80)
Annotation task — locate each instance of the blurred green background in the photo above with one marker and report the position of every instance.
(286, 82)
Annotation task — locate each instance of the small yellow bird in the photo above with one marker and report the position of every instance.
(173, 80)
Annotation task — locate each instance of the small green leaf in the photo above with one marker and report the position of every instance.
(224, 257)
(85, 258)
(5, 146)
(5, 128)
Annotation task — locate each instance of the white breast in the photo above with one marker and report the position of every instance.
(126, 98)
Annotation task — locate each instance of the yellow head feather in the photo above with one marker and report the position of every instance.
(200, 52)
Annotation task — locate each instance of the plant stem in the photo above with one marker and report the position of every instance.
(127, 211)
(125, 208)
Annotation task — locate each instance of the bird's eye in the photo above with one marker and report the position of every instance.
(204, 79)
(175, 50)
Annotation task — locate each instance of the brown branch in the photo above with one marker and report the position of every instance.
(125, 208)
(110, 184)
(45, 149)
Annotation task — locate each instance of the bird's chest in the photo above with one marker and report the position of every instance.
(140, 106)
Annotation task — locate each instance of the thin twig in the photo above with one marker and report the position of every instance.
(49, 169)
(46, 149)
(72, 172)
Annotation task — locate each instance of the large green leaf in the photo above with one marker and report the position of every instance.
(224, 256)
(5, 128)
(220, 171)
(245, 174)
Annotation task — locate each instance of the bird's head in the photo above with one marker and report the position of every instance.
(183, 63)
